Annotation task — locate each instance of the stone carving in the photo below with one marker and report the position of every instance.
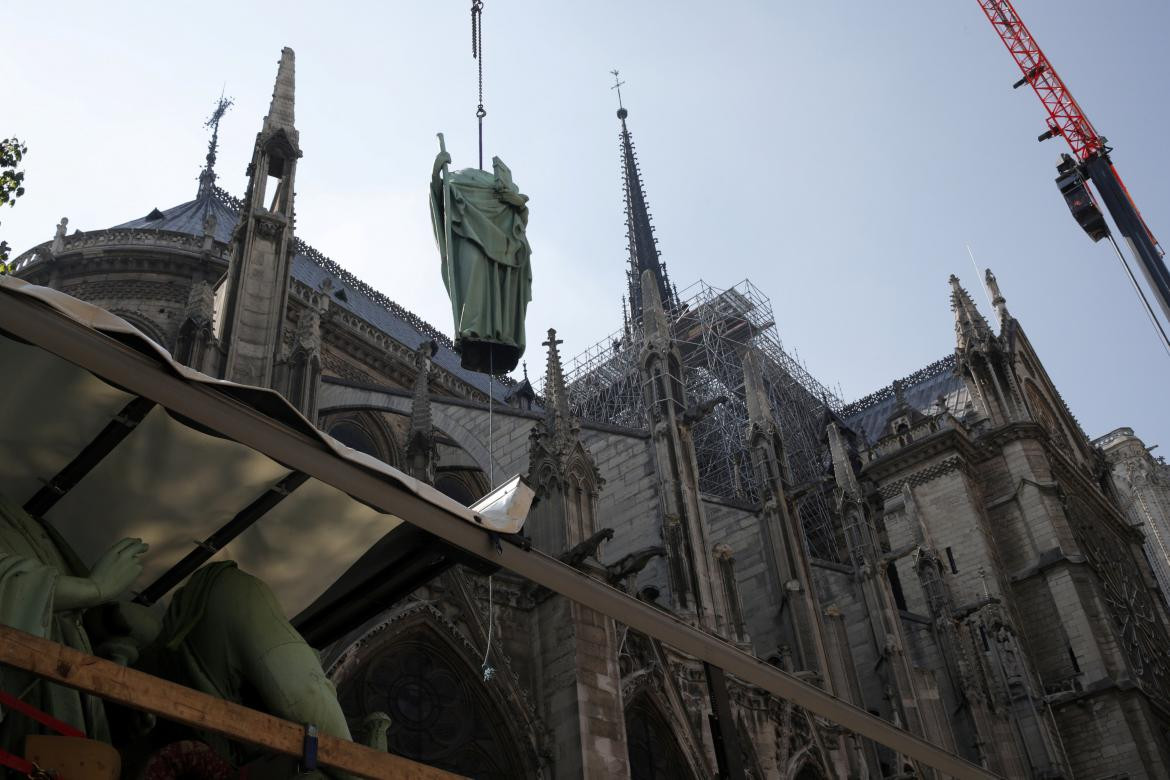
(1143, 636)
(587, 548)
(209, 223)
(59, 236)
(629, 565)
(480, 220)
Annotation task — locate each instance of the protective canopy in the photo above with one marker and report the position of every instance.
(168, 481)
(480, 220)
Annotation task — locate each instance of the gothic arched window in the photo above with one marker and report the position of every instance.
(654, 752)
(365, 431)
(439, 711)
(353, 435)
(463, 485)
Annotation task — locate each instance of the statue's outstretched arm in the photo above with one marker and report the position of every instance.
(112, 576)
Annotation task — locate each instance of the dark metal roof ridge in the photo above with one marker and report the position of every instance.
(926, 372)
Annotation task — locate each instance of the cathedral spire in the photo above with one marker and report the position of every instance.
(207, 176)
(970, 327)
(643, 246)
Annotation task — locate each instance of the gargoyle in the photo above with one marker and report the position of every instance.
(631, 564)
(587, 548)
(696, 412)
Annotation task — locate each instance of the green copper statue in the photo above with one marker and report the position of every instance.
(480, 220)
(223, 633)
(44, 590)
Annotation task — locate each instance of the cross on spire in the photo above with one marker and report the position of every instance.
(617, 84)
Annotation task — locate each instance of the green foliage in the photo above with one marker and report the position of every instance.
(12, 152)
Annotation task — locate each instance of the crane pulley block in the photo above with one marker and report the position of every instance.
(1080, 199)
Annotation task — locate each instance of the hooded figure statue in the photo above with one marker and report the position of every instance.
(479, 220)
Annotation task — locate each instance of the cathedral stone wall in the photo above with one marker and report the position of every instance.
(738, 527)
(838, 592)
(629, 501)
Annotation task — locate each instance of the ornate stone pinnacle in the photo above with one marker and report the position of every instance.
(280, 111)
(558, 419)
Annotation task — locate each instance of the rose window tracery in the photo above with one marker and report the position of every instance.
(1143, 636)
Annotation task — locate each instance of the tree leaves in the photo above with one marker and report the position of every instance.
(12, 152)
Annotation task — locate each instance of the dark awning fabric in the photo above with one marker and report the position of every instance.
(209, 449)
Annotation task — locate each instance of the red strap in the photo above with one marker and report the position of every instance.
(21, 765)
(44, 718)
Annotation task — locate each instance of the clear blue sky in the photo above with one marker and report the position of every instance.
(839, 154)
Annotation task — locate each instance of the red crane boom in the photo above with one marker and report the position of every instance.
(1092, 163)
(1065, 117)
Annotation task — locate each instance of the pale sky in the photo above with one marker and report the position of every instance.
(841, 154)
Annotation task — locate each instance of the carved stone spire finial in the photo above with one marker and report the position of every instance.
(759, 407)
(653, 315)
(842, 468)
(280, 111)
(970, 326)
(997, 299)
(420, 445)
(558, 419)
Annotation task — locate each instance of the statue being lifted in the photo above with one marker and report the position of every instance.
(480, 220)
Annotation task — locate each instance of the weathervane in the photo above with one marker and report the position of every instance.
(221, 108)
(617, 84)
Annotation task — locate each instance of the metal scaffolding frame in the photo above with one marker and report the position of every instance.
(713, 328)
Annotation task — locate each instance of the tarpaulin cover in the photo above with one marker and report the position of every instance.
(170, 483)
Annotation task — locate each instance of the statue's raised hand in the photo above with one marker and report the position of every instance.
(114, 572)
(117, 569)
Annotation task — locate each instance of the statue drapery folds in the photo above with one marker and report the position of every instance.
(223, 633)
(480, 220)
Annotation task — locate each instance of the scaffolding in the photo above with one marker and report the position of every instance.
(713, 328)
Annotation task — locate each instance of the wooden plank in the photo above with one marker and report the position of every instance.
(145, 692)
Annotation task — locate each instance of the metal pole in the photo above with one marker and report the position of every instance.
(1137, 288)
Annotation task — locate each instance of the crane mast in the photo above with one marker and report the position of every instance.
(1089, 161)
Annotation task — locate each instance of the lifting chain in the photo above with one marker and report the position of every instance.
(477, 55)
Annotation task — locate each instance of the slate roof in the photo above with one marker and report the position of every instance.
(869, 415)
(312, 268)
(188, 218)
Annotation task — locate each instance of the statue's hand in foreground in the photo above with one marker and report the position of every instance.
(118, 567)
(111, 576)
